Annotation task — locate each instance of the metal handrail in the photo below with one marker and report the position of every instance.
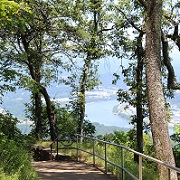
(105, 157)
(66, 146)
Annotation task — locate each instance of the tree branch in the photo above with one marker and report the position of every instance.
(143, 3)
(175, 36)
(130, 21)
(106, 29)
(172, 84)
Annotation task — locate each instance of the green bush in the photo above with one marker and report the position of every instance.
(4, 176)
(8, 127)
(149, 168)
(15, 162)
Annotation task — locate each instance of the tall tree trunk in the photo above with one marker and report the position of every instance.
(38, 119)
(82, 96)
(158, 119)
(87, 63)
(81, 102)
(139, 96)
(50, 113)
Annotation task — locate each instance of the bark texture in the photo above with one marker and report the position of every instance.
(50, 113)
(139, 81)
(38, 113)
(158, 119)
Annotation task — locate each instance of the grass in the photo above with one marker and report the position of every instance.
(149, 168)
(114, 155)
(15, 162)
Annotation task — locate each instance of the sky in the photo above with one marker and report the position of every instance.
(176, 62)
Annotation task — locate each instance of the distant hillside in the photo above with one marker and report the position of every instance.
(102, 129)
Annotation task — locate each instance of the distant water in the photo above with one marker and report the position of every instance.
(102, 112)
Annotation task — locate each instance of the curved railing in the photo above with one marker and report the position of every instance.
(69, 145)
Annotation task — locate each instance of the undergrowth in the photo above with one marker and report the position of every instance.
(15, 162)
(114, 155)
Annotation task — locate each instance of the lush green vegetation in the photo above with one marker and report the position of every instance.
(127, 139)
(39, 39)
(15, 162)
(15, 157)
(176, 148)
(114, 154)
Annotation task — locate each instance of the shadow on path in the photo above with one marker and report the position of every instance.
(69, 170)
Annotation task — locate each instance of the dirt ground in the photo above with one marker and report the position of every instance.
(69, 170)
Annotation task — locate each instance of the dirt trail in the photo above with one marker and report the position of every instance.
(69, 170)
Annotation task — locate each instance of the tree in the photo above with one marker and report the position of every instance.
(158, 118)
(169, 35)
(27, 50)
(133, 20)
(9, 10)
(130, 17)
(87, 39)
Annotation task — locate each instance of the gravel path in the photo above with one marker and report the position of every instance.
(69, 170)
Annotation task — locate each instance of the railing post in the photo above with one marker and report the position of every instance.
(140, 167)
(122, 163)
(93, 152)
(77, 148)
(105, 151)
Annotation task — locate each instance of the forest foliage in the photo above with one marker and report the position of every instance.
(39, 40)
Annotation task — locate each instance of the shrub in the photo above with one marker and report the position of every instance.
(15, 162)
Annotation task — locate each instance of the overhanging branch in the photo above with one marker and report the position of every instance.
(130, 20)
(175, 36)
(172, 84)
